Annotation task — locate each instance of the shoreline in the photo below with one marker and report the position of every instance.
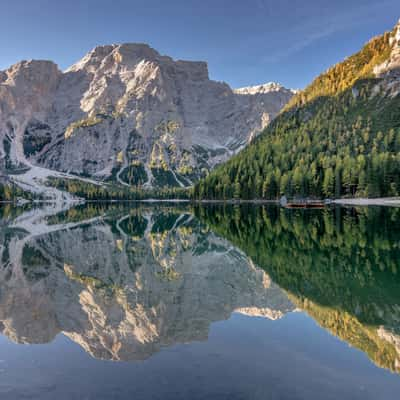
(362, 201)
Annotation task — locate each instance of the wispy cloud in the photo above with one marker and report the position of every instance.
(317, 27)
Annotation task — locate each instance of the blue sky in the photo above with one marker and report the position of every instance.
(245, 42)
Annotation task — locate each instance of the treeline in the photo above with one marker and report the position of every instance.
(111, 212)
(110, 192)
(339, 137)
(10, 193)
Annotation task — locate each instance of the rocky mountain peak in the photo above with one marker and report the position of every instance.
(31, 72)
(397, 38)
(125, 112)
(128, 57)
(126, 54)
(391, 67)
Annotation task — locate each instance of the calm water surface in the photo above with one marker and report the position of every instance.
(180, 302)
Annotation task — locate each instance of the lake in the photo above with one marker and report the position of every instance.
(167, 301)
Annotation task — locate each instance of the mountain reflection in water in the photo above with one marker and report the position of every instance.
(340, 266)
(122, 283)
(125, 282)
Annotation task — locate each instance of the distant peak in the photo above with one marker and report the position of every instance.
(265, 88)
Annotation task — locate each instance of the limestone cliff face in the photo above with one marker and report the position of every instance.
(393, 62)
(26, 93)
(389, 70)
(126, 286)
(129, 113)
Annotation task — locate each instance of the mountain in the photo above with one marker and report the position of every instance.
(127, 114)
(338, 137)
(123, 283)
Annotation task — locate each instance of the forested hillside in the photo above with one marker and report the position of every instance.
(338, 137)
